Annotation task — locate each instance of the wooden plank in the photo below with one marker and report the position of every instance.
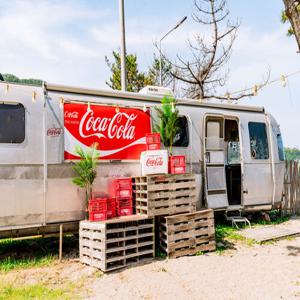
(211, 246)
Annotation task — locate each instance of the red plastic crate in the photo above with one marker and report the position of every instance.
(152, 138)
(95, 216)
(153, 146)
(111, 208)
(98, 195)
(177, 169)
(177, 161)
(124, 206)
(97, 205)
(121, 187)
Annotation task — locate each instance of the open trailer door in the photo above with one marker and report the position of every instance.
(214, 162)
(257, 163)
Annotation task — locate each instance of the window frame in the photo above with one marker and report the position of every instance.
(21, 105)
(267, 140)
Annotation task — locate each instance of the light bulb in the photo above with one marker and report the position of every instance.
(61, 103)
(283, 80)
(228, 97)
(255, 90)
(33, 96)
(144, 108)
(89, 107)
(117, 109)
(172, 107)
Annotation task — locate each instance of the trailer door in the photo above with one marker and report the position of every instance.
(214, 162)
(257, 167)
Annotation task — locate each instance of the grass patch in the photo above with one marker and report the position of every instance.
(226, 234)
(10, 263)
(27, 253)
(275, 218)
(160, 254)
(36, 292)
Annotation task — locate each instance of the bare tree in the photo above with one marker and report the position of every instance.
(204, 69)
(292, 12)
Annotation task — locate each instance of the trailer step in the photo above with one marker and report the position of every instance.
(235, 218)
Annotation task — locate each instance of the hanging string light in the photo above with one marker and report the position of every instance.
(172, 107)
(227, 95)
(33, 98)
(117, 109)
(61, 102)
(283, 80)
(144, 108)
(89, 107)
(6, 88)
(255, 90)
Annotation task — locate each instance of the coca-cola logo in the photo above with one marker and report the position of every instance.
(53, 132)
(118, 127)
(154, 162)
(71, 114)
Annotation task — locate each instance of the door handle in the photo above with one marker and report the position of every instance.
(245, 191)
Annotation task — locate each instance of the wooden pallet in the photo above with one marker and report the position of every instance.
(116, 243)
(187, 234)
(165, 194)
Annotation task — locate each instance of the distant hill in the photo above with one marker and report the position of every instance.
(14, 78)
(292, 154)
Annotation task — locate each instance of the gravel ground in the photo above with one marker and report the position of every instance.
(270, 271)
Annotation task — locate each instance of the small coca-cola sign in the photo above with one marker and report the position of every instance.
(119, 133)
(154, 162)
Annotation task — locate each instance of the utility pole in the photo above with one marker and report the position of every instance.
(123, 46)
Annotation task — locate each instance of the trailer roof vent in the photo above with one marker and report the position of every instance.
(155, 90)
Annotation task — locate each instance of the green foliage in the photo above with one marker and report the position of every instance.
(28, 253)
(136, 79)
(85, 169)
(35, 291)
(154, 72)
(292, 154)
(168, 117)
(160, 254)
(13, 78)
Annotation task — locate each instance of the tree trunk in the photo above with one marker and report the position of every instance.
(294, 17)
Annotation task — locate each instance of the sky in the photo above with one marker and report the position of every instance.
(66, 42)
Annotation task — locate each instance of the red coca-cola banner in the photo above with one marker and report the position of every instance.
(119, 133)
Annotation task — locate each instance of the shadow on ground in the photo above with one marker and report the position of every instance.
(293, 251)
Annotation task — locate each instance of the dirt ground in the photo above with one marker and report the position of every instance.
(269, 271)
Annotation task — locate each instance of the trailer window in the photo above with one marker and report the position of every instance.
(280, 147)
(12, 123)
(181, 138)
(258, 140)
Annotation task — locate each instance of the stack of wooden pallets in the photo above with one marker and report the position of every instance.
(166, 194)
(187, 234)
(182, 230)
(116, 243)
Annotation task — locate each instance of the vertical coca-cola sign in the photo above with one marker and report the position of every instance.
(120, 134)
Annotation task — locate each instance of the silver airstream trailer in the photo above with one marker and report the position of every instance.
(235, 151)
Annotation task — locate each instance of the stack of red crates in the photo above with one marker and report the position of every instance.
(97, 209)
(121, 191)
(153, 141)
(101, 208)
(177, 164)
